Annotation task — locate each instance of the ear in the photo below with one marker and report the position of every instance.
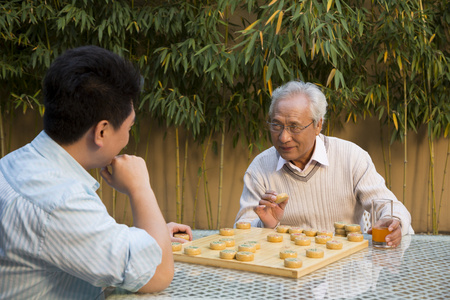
(319, 127)
(100, 132)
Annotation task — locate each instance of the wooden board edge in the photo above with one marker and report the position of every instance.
(302, 272)
(237, 265)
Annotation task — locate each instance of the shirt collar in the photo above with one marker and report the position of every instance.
(319, 155)
(51, 150)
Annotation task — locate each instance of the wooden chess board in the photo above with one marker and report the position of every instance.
(267, 259)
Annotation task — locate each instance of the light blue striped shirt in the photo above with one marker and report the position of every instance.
(57, 240)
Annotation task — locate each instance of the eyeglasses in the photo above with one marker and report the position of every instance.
(294, 129)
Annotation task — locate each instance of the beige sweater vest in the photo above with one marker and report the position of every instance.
(320, 195)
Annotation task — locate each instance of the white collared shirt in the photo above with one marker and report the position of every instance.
(57, 240)
(319, 155)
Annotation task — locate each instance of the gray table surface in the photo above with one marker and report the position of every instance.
(418, 269)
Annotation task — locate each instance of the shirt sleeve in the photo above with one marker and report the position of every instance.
(251, 194)
(369, 184)
(82, 239)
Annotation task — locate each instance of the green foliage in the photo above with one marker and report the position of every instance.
(360, 52)
(210, 66)
(202, 70)
(412, 44)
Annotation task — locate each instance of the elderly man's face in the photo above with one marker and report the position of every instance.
(294, 111)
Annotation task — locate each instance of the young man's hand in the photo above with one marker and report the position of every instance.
(127, 174)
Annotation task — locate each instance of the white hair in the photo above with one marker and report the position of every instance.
(317, 100)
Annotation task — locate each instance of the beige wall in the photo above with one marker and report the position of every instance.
(161, 164)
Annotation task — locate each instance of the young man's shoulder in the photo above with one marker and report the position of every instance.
(40, 181)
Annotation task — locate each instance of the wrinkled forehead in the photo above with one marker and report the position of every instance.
(294, 108)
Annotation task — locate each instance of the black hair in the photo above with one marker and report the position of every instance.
(84, 86)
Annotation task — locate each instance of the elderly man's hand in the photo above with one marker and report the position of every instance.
(268, 211)
(395, 237)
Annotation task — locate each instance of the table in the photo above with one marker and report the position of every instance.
(418, 269)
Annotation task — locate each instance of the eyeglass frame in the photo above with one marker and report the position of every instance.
(288, 128)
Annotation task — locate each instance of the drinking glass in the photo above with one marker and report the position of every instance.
(381, 219)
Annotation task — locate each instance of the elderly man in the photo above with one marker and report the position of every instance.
(327, 179)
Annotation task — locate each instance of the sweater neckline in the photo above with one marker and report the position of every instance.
(311, 170)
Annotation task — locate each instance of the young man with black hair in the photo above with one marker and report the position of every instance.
(57, 240)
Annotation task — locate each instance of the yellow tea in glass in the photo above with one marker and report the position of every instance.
(381, 219)
(379, 234)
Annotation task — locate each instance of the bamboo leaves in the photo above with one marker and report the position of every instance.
(279, 22)
(331, 76)
(209, 75)
(394, 118)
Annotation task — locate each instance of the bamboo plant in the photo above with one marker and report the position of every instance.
(210, 68)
